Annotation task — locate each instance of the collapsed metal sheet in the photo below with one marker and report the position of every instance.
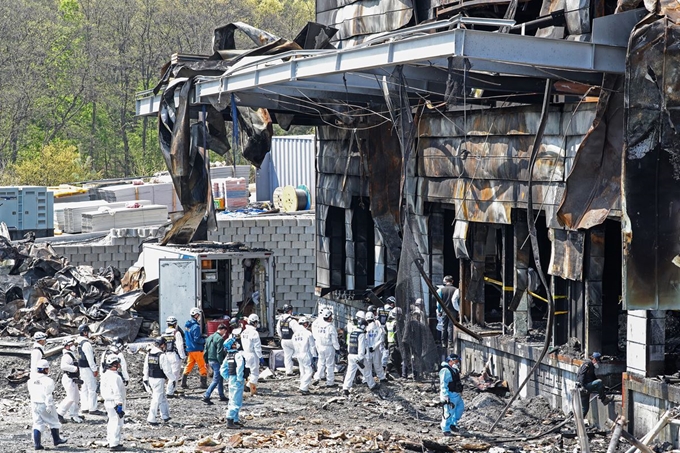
(186, 163)
(651, 188)
(354, 20)
(384, 162)
(594, 186)
(566, 257)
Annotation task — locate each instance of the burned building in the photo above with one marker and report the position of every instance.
(526, 148)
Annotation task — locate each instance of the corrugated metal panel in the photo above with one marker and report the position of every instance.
(292, 162)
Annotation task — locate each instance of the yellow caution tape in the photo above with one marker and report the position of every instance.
(533, 294)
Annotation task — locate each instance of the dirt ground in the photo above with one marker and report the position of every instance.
(400, 417)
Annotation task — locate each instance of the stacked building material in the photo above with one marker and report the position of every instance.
(162, 193)
(135, 215)
(234, 191)
(72, 214)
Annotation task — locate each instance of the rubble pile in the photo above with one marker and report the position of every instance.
(41, 291)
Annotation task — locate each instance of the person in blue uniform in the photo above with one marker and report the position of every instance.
(450, 389)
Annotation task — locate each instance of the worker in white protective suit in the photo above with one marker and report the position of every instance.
(156, 370)
(357, 352)
(37, 352)
(285, 328)
(303, 342)
(375, 337)
(115, 349)
(70, 379)
(113, 392)
(88, 372)
(327, 345)
(40, 388)
(252, 351)
(174, 351)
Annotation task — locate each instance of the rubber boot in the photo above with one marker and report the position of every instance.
(253, 389)
(55, 437)
(231, 424)
(184, 381)
(36, 440)
(204, 382)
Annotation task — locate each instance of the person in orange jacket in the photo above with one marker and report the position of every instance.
(194, 343)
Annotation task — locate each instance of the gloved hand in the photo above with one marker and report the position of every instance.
(370, 349)
(360, 363)
(120, 411)
(261, 361)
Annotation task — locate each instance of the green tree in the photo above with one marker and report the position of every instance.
(54, 164)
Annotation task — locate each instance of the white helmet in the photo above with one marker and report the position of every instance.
(195, 311)
(419, 301)
(327, 314)
(43, 365)
(387, 307)
(360, 315)
(370, 316)
(253, 318)
(111, 360)
(303, 320)
(171, 320)
(38, 336)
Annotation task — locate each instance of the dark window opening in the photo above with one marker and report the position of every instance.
(613, 333)
(363, 232)
(335, 232)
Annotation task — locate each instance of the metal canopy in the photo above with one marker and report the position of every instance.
(356, 74)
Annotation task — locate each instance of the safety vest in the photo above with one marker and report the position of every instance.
(82, 358)
(353, 346)
(382, 316)
(72, 374)
(155, 370)
(286, 331)
(231, 363)
(391, 331)
(455, 385)
(169, 341)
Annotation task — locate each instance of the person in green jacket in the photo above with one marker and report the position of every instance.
(214, 355)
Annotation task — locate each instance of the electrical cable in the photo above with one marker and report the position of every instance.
(531, 220)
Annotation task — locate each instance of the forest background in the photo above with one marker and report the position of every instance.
(69, 71)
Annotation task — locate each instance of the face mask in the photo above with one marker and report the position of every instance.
(596, 365)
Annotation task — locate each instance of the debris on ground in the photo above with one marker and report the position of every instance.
(41, 291)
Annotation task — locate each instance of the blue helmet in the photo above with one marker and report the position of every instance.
(597, 356)
(454, 357)
(231, 344)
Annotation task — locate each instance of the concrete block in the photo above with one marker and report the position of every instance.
(249, 223)
(277, 222)
(118, 257)
(298, 259)
(309, 267)
(250, 238)
(307, 237)
(297, 289)
(299, 245)
(306, 281)
(282, 259)
(284, 229)
(278, 237)
(265, 237)
(305, 221)
(283, 288)
(235, 223)
(284, 245)
(299, 274)
(256, 230)
(297, 230)
(269, 230)
(105, 257)
(306, 252)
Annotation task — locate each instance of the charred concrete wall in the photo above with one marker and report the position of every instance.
(290, 237)
(511, 361)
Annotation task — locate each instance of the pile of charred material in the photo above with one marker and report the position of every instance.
(41, 291)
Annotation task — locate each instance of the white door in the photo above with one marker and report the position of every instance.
(176, 290)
